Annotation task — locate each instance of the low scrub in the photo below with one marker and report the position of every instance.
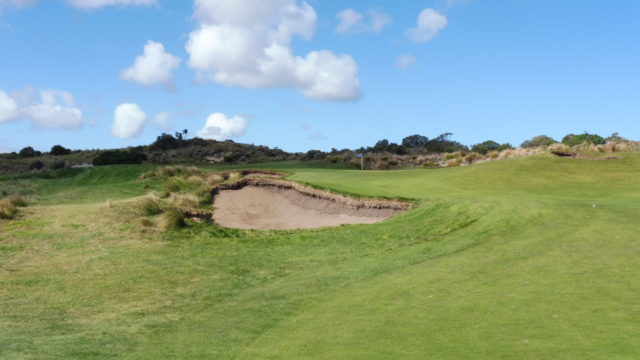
(9, 206)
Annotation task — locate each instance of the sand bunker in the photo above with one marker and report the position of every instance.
(275, 204)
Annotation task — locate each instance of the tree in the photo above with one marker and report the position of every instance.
(381, 146)
(540, 140)
(58, 150)
(490, 145)
(415, 141)
(27, 152)
(166, 141)
(615, 138)
(442, 143)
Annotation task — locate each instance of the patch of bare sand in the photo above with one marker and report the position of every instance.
(271, 207)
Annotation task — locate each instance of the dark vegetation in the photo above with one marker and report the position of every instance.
(119, 157)
(412, 151)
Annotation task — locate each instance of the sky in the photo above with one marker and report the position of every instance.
(315, 74)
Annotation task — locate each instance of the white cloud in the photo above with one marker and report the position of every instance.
(353, 22)
(154, 67)
(221, 127)
(379, 20)
(97, 4)
(128, 122)
(8, 107)
(405, 60)
(55, 109)
(163, 120)
(349, 20)
(247, 43)
(430, 23)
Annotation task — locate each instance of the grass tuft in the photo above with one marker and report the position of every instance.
(9, 206)
(172, 219)
(149, 206)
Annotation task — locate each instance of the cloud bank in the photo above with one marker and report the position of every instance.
(247, 43)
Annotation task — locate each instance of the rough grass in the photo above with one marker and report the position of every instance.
(500, 260)
(9, 206)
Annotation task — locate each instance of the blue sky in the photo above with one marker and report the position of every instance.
(501, 70)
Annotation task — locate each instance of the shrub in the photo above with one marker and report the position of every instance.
(119, 157)
(485, 147)
(472, 157)
(36, 165)
(172, 219)
(27, 152)
(453, 155)
(185, 200)
(58, 164)
(540, 140)
(383, 165)
(586, 138)
(494, 155)
(58, 150)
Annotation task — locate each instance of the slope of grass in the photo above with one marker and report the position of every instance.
(499, 260)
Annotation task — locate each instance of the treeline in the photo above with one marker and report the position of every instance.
(177, 148)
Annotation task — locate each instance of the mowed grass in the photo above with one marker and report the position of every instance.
(534, 258)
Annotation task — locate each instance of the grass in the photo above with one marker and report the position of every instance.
(506, 259)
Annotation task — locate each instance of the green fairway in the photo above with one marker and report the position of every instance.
(531, 258)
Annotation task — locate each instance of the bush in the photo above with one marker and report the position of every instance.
(58, 164)
(36, 165)
(472, 157)
(119, 157)
(27, 152)
(172, 219)
(586, 138)
(58, 150)
(486, 147)
(540, 140)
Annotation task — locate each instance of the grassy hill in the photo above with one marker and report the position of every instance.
(531, 258)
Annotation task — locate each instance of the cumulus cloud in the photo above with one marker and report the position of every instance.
(8, 107)
(52, 109)
(247, 43)
(430, 23)
(153, 67)
(404, 61)
(221, 127)
(97, 4)
(128, 122)
(353, 22)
